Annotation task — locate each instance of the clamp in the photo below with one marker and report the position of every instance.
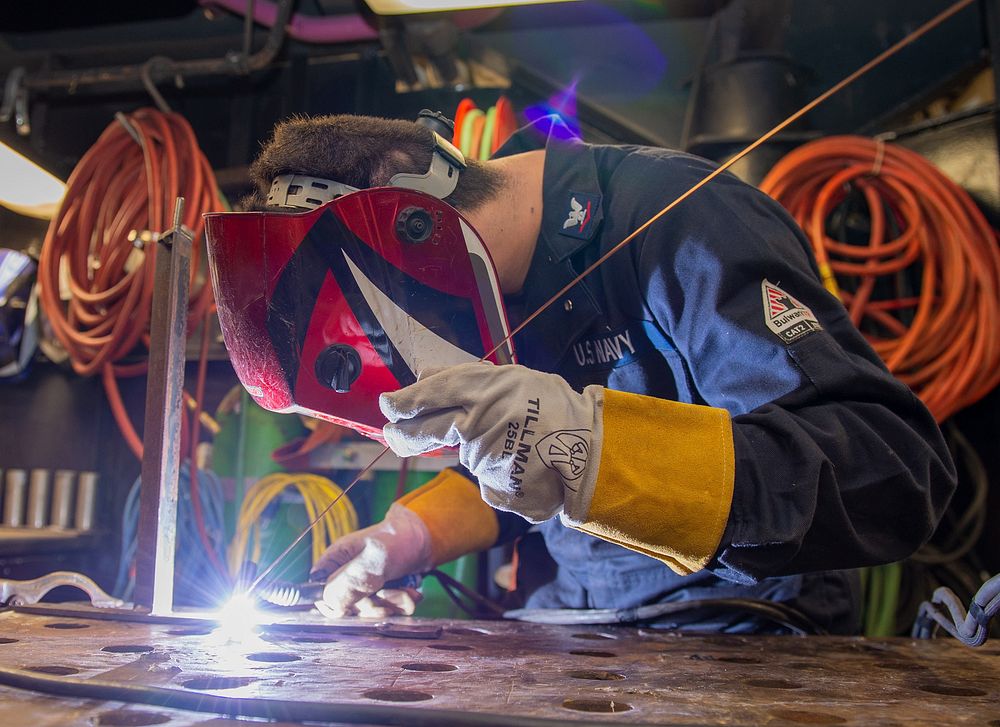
(25, 593)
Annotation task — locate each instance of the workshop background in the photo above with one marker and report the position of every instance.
(702, 75)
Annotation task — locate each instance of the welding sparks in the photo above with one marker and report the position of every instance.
(239, 618)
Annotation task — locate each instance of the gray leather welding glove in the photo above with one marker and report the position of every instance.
(532, 442)
(359, 564)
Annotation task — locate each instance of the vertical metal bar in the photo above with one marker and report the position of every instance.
(154, 583)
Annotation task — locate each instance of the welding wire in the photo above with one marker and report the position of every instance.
(316, 493)
(485, 148)
(199, 516)
(195, 575)
(836, 88)
(506, 123)
(464, 106)
(267, 571)
(468, 123)
(943, 341)
(95, 271)
(476, 139)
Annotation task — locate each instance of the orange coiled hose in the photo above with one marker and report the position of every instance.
(127, 181)
(943, 341)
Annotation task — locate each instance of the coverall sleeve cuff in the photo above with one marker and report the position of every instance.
(458, 520)
(665, 481)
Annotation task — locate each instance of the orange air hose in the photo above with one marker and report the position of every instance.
(944, 339)
(127, 181)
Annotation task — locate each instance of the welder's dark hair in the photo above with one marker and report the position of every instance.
(362, 151)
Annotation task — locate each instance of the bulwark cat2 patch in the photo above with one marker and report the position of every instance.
(787, 318)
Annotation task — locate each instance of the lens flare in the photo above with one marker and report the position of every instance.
(239, 618)
(560, 107)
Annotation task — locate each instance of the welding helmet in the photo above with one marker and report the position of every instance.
(342, 294)
(18, 313)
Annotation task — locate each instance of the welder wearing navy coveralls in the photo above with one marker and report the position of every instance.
(801, 457)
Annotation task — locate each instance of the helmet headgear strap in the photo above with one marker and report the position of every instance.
(302, 191)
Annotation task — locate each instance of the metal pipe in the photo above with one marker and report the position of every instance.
(62, 499)
(86, 501)
(235, 63)
(38, 499)
(325, 29)
(248, 29)
(13, 499)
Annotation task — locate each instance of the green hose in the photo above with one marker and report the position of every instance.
(882, 599)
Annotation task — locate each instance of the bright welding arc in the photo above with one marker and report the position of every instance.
(836, 88)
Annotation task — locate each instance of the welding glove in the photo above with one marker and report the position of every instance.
(532, 442)
(359, 564)
(651, 475)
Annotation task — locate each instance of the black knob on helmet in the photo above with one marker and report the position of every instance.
(337, 367)
(414, 225)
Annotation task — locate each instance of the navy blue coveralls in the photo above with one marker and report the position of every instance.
(837, 464)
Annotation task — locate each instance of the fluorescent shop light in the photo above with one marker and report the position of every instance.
(403, 7)
(26, 188)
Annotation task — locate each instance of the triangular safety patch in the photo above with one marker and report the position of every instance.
(787, 318)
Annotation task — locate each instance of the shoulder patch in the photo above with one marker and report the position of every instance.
(787, 318)
(583, 214)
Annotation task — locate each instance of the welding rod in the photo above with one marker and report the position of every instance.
(38, 499)
(62, 499)
(13, 501)
(86, 500)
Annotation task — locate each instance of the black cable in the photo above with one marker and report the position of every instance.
(453, 588)
(771, 611)
(970, 524)
(454, 598)
(272, 709)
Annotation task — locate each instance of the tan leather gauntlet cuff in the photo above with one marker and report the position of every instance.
(456, 517)
(665, 482)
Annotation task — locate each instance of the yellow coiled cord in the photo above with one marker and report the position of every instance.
(317, 494)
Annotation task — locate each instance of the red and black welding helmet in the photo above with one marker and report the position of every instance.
(323, 310)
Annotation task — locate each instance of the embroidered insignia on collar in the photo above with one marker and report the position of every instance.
(582, 215)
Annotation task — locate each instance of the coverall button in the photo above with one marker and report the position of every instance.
(568, 305)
